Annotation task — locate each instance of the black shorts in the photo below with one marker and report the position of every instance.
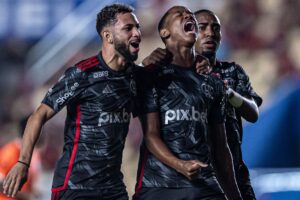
(191, 193)
(103, 194)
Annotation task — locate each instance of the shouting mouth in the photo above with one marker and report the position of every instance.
(190, 27)
(135, 45)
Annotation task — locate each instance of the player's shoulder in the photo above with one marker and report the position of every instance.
(139, 69)
(150, 70)
(83, 67)
(228, 65)
(88, 64)
(144, 75)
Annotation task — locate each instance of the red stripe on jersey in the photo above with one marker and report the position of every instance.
(55, 196)
(73, 154)
(139, 183)
(88, 63)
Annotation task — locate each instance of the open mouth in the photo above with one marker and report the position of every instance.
(135, 45)
(210, 43)
(189, 27)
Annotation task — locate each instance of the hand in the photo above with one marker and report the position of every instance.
(190, 168)
(15, 179)
(157, 57)
(226, 84)
(202, 65)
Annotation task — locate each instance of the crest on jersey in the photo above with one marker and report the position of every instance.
(207, 90)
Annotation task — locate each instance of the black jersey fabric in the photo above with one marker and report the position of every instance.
(98, 102)
(187, 103)
(239, 81)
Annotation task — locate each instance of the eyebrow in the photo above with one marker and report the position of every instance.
(132, 25)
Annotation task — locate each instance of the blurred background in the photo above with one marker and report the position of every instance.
(39, 39)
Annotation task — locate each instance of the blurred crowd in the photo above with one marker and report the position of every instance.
(262, 36)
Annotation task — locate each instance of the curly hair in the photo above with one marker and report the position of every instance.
(107, 16)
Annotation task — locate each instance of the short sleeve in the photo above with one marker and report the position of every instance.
(66, 90)
(147, 97)
(244, 87)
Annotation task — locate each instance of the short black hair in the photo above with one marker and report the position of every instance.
(204, 11)
(162, 23)
(107, 15)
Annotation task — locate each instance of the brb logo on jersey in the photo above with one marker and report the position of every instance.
(68, 94)
(185, 115)
(100, 74)
(113, 117)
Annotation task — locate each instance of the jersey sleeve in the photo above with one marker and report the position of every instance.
(244, 87)
(147, 97)
(66, 89)
(217, 112)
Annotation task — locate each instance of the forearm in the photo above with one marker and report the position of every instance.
(246, 107)
(30, 137)
(156, 145)
(249, 110)
(33, 130)
(154, 142)
(158, 148)
(225, 173)
(223, 162)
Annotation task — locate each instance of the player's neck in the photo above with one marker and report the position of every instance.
(182, 56)
(113, 60)
(211, 58)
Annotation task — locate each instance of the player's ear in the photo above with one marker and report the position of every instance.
(107, 36)
(164, 33)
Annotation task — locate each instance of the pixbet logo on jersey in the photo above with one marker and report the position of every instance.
(113, 117)
(185, 115)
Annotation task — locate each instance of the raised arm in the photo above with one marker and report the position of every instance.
(151, 128)
(247, 107)
(243, 97)
(17, 176)
(223, 163)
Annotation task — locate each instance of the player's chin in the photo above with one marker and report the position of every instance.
(134, 56)
(209, 51)
(191, 39)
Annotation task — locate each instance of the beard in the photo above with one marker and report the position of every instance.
(124, 50)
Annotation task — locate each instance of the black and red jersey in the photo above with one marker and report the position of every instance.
(187, 104)
(239, 81)
(99, 104)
